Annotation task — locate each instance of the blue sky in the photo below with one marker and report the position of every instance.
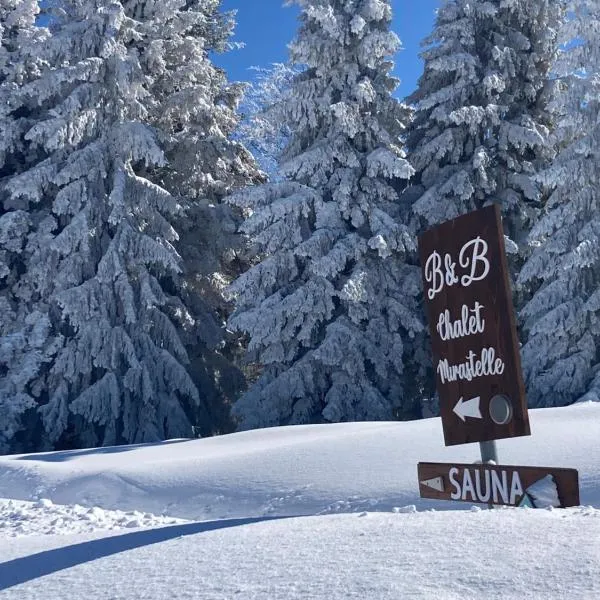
(266, 27)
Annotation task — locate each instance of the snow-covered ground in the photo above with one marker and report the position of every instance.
(18, 518)
(209, 518)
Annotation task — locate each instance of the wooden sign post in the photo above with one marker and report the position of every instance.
(473, 334)
(478, 367)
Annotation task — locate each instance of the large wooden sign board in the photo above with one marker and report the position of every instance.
(536, 487)
(473, 334)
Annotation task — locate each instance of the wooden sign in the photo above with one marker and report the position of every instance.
(536, 487)
(473, 334)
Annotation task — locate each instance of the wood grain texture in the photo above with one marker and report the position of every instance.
(499, 333)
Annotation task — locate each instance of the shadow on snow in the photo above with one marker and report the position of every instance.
(64, 455)
(28, 568)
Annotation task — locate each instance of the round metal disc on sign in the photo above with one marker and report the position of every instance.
(501, 410)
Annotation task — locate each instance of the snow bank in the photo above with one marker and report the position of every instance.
(18, 518)
(292, 471)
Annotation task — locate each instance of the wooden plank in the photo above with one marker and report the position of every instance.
(507, 485)
(473, 335)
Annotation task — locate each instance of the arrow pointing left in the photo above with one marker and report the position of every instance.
(470, 408)
(437, 483)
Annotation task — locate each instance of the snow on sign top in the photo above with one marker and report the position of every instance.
(473, 334)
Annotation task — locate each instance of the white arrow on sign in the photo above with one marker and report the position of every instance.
(437, 483)
(470, 408)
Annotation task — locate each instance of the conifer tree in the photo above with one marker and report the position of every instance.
(331, 308)
(27, 342)
(562, 320)
(263, 130)
(102, 245)
(482, 122)
(193, 109)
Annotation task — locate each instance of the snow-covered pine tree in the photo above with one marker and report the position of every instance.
(191, 103)
(562, 320)
(193, 109)
(27, 342)
(331, 308)
(263, 130)
(482, 122)
(105, 242)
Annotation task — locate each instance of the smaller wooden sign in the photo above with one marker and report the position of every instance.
(536, 487)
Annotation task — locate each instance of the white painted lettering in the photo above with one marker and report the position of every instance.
(485, 365)
(473, 256)
(470, 323)
(498, 366)
(483, 496)
(451, 278)
(499, 486)
(478, 369)
(456, 494)
(516, 489)
(467, 486)
(434, 275)
(485, 485)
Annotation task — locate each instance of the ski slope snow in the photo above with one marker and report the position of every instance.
(329, 511)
